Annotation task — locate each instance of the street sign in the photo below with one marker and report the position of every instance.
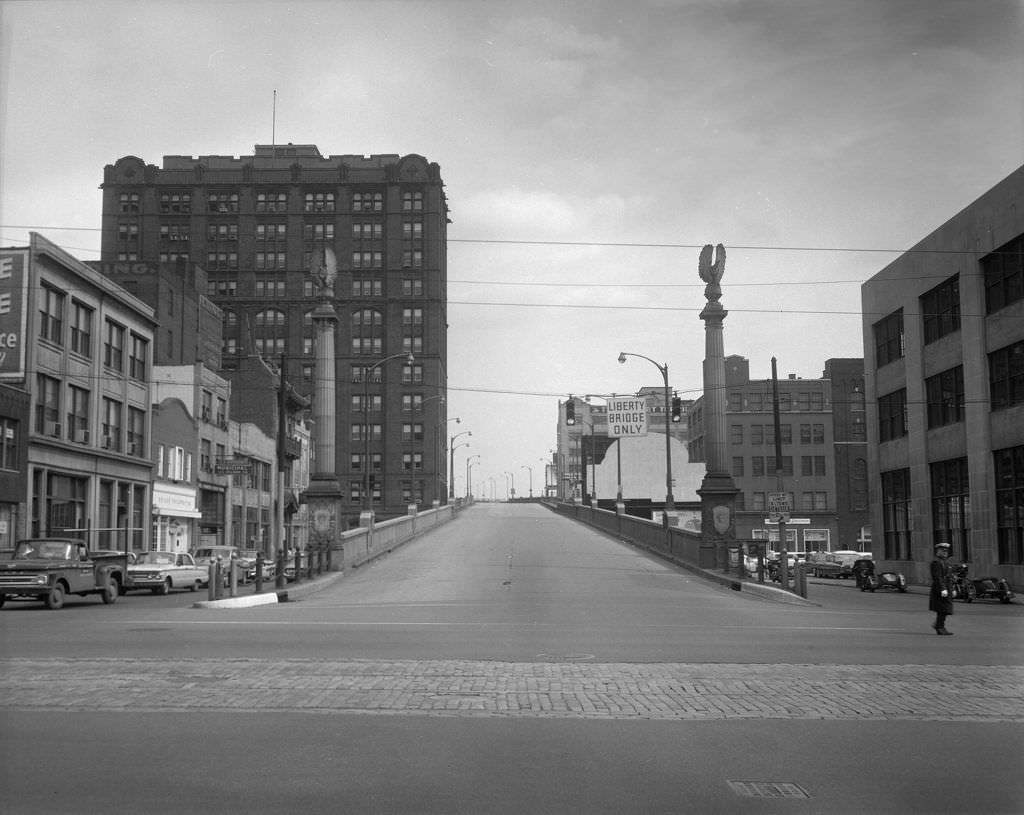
(778, 507)
(232, 466)
(627, 416)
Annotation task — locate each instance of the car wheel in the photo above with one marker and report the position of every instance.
(194, 586)
(3, 599)
(55, 599)
(165, 587)
(109, 593)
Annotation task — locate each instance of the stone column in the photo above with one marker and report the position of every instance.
(717, 491)
(324, 496)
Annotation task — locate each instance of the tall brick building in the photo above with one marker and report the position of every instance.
(253, 223)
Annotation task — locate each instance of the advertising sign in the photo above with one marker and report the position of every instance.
(13, 312)
(778, 507)
(627, 416)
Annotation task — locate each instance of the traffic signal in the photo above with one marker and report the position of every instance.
(570, 411)
(677, 409)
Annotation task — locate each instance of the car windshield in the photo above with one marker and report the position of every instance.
(47, 550)
(156, 559)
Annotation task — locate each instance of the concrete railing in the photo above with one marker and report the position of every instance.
(358, 546)
(681, 545)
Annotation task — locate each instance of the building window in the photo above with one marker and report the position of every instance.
(78, 415)
(940, 310)
(951, 506)
(412, 259)
(9, 433)
(367, 288)
(367, 230)
(412, 201)
(737, 466)
(758, 502)
(412, 431)
(113, 347)
(51, 315)
(111, 429)
(814, 501)
(1009, 472)
(945, 394)
(412, 287)
(367, 260)
(222, 288)
(1006, 376)
(319, 202)
(412, 462)
(757, 466)
(1004, 275)
(896, 517)
(736, 434)
(222, 202)
(136, 432)
(128, 202)
(271, 202)
(889, 340)
(137, 357)
(892, 415)
(81, 329)
(367, 202)
(412, 374)
(412, 345)
(48, 411)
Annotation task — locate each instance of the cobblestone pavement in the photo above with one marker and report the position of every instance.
(515, 689)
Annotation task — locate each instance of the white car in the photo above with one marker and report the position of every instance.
(163, 571)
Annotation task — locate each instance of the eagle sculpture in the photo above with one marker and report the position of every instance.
(712, 273)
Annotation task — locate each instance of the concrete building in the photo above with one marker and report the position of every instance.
(588, 462)
(82, 348)
(253, 223)
(824, 455)
(943, 344)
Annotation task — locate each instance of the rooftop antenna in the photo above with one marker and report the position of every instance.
(273, 125)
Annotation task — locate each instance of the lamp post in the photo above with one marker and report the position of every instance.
(669, 502)
(469, 473)
(528, 467)
(367, 374)
(512, 478)
(451, 483)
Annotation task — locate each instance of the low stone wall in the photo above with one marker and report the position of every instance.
(359, 546)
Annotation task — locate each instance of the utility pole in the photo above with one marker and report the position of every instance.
(783, 554)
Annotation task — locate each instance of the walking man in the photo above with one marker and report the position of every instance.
(940, 600)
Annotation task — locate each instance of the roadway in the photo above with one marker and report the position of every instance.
(514, 661)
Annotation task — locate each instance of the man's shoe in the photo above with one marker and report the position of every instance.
(944, 633)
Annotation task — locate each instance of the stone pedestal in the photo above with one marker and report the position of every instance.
(717, 519)
(324, 500)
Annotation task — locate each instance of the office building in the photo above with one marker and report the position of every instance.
(944, 377)
(254, 223)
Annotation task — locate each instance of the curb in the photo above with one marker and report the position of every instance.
(295, 591)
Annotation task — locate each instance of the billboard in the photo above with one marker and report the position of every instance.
(627, 416)
(13, 312)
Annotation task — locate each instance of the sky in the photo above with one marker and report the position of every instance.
(588, 150)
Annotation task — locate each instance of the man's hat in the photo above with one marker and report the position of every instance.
(942, 546)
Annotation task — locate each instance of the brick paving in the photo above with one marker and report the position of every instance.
(582, 690)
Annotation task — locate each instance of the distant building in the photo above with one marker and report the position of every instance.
(253, 224)
(824, 455)
(944, 377)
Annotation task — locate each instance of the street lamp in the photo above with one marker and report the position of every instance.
(669, 502)
(469, 472)
(367, 373)
(451, 484)
(512, 478)
(528, 467)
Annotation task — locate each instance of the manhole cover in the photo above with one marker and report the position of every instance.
(768, 789)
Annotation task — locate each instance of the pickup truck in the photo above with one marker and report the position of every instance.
(52, 568)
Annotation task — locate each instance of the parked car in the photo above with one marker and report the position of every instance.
(838, 564)
(162, 571)
(247, 560)
(205, 554)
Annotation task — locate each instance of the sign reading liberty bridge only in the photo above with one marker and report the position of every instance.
(627, 416)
